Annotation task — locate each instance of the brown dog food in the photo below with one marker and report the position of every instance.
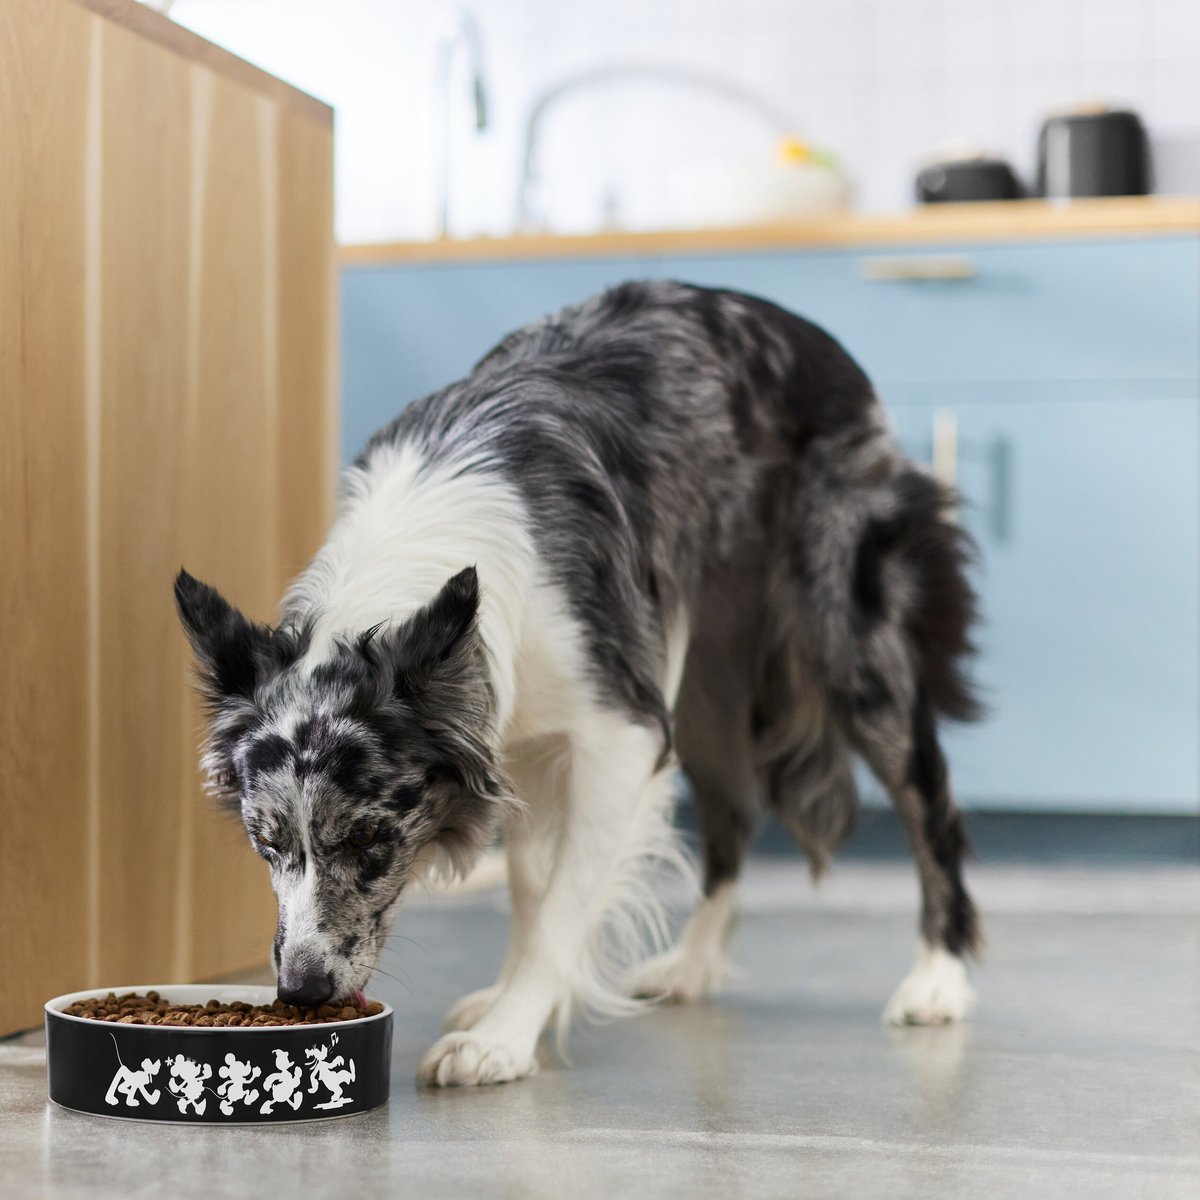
(152, 1009)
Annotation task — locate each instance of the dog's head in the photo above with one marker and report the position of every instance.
(351, 774)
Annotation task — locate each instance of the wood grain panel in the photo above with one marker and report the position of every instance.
(227, 518)
(143, 341)
(45, 869)
(184, 44)
(165, 276)
(307, 348)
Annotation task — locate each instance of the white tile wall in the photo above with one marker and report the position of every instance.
(882, 82)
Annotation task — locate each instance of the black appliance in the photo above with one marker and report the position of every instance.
(961, 179)
(1093, 152)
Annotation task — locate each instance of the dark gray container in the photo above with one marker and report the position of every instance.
(215, 1076)
(958, 181)
(1099, 153)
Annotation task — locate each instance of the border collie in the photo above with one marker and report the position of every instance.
(667, 526)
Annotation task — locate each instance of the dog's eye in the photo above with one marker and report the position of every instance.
(363, 836)
(264, 845)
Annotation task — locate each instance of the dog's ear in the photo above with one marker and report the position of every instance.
(435, 637)
(438, 667)
(229, 648)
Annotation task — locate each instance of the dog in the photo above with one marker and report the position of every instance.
(668, 525)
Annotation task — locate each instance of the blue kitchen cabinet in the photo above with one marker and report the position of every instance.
(1086, 513)
(409, 330)
(1057, 311)
(1072, 370)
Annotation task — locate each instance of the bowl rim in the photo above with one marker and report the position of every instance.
(54, 1006)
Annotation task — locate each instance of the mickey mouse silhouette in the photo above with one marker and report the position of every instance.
(237, 1076)
(187, 1082)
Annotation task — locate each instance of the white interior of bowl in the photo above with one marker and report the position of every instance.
(196, 993)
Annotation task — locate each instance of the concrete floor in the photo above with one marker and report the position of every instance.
(1080, 1077)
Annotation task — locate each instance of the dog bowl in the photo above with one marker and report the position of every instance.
(215, 1075)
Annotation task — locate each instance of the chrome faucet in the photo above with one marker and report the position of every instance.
(529, 217)
(458, 30)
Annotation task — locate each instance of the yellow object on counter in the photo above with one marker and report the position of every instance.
(793, 151)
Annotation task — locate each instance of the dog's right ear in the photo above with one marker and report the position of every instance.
(229, 648)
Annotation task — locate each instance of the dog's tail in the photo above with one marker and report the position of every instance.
(936, 553)
(881, 610)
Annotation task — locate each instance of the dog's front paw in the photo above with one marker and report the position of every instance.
(467, 1060)
(465, 1013)
(675, 977)
(935, 992)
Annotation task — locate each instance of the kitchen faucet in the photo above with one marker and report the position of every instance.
(459, 30)
(775, 118)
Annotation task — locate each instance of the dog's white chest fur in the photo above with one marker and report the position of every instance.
(404, 526)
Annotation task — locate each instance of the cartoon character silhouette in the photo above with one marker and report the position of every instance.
(131, 1084)
(283, 1085)
(237, 1076)
(324, 1073)
(187, 1082)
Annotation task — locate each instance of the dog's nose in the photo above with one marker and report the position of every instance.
(306, 988)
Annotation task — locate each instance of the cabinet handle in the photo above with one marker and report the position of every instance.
(1000, 453)
(944, 459)
(917, 269)
(943, 452)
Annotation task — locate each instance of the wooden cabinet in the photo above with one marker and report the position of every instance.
(1072, 372)
(167, 397)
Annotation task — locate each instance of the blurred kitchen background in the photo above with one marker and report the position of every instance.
(1043, 356)
(879, 83)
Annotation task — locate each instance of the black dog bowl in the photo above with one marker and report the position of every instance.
(215, 1076)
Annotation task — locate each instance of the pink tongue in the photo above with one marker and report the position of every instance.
(358, 997)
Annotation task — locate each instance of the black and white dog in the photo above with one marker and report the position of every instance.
(665, 525)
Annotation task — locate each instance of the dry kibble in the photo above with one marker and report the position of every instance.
(152, 1009)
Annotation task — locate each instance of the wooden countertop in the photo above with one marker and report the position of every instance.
(1011, 220)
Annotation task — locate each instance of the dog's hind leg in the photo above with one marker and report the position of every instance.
(913, 612)
(723, 791)
(713, 736)
(901, 744)
(886, 618)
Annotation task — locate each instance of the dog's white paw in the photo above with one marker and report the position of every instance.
(935, 992)
(675, 977)
(468, 1060)
(465, 1012)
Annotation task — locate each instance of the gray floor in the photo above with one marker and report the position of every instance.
(1081, 1076)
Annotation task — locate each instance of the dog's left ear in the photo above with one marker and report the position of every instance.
(438, 666)
(229, 647)
(437, 637)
